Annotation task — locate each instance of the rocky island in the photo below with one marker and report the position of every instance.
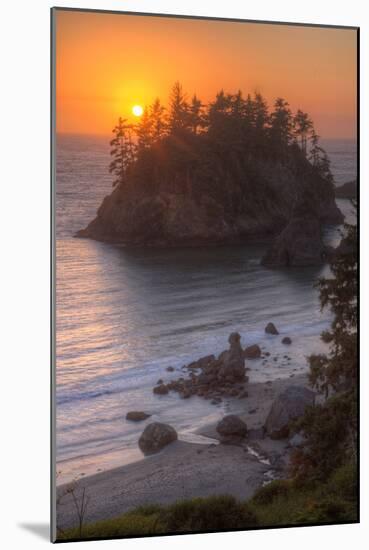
(228, 173)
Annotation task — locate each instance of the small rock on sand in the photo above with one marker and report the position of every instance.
(271, 329)
(252, 352)
(161, 389)
(137, 416)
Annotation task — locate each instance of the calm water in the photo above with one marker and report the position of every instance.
(123, 316)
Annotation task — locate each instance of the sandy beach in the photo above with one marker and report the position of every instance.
(186, 470)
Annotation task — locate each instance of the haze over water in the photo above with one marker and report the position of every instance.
(124, 315)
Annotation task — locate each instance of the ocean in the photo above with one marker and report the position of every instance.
(123, 316)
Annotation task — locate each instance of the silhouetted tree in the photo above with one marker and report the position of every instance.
(196, 119)
(281, 123)
(237, 105)
(122, 151)
(302, 126)
(178, 112)
(144, 131)
(157, 117)
(319, 158)
(219, 122)
(261, 114)
(249, 112)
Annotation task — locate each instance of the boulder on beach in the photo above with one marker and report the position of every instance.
(161, 389)
(286, 340)
(231, 429)
(155, 437)
(137, 416)
(271, 329)
(252, 352)
(287, 406)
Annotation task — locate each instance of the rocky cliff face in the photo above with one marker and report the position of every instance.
(199, 197)
(347, 191)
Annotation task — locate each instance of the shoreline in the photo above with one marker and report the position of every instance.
(185, 470)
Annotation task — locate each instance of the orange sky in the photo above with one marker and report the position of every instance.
(107, 63)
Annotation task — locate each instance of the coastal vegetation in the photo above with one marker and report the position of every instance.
(280, 503)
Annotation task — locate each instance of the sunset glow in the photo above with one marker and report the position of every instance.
(105, 60)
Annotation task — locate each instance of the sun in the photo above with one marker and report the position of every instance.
(137, 110)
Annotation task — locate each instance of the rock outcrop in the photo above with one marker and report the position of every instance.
(347, 191)
(231, 429)
(286, 341)
(289, 405)
(155, 437)
(300, 243)
(184, 193)
(213, 377)
(233, 360)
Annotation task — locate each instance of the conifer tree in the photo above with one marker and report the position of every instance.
(302, 126)
(196, 119)
(122, 151)
(337, 370)
(144, 131)
(281, 123)
(319, 158)
(261, 114)
(157, 117)
(178, 112)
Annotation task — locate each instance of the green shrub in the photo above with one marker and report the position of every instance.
(328, 510)
(274, 489)
(209, 514)
(128, 525)
(343, 482)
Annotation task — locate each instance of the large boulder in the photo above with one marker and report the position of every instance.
(252, 352)
(155, 437)
(289, 405)
(231, 429)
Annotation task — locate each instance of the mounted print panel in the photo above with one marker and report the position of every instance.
(204, 187)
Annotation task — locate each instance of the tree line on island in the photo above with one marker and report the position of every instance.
(229, 123)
